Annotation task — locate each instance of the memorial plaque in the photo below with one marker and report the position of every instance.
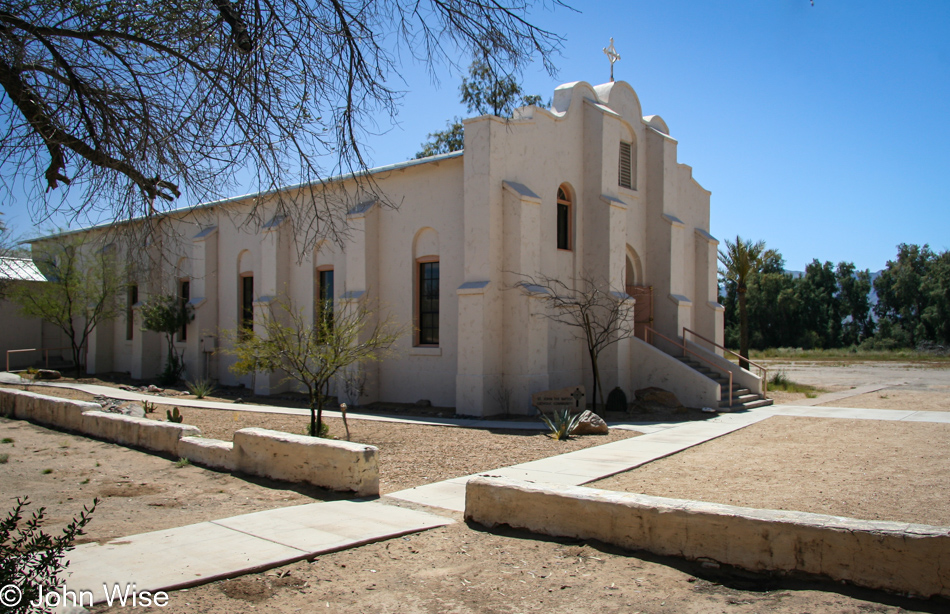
(572, 398)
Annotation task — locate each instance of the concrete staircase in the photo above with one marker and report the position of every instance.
(742, 398)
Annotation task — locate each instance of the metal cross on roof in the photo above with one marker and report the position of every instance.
(612, 55)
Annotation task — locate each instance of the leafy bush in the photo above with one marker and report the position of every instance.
(561, 423)
(324, 430)
(167, 314)
(201, 388)
(31, 559)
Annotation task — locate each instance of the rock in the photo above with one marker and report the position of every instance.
(590, 424)
(423, 403)
(657, 396)
(154, 388)
(47, 374)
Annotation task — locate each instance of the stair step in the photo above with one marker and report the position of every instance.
(738, 399)
(746, 406)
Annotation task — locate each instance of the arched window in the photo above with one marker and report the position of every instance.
(564, 215)
(425, 252)
(184, 297)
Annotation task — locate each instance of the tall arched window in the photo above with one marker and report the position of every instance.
(564, 215)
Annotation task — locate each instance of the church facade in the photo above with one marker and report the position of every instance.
(587, 187)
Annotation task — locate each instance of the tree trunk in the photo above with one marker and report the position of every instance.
(596, 373)
(313, 415)
(743, 330)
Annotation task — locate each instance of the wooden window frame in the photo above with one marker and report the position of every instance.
(417, 302)
(183, 299)
(318, 294)
(568, 203)
(245, 324)
(132, 297)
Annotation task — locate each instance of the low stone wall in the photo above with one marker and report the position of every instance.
(337, 465)
(902, 557)
(139, 432)
(213, 453)
(54, 411)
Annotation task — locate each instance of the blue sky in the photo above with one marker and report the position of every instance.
(822, 130)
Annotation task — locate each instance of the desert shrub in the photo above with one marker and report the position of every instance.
(31, 559)
(324, 430)
(561, 423)
(201, 387)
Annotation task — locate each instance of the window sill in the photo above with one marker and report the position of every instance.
(561, 249)
(425, 350)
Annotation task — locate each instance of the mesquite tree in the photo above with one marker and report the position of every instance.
(310, 350)
(134, 103)
(595, 313)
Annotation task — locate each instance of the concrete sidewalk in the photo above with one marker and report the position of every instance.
(199, 553)
(591, 464)
(127, 395)
(207, 551)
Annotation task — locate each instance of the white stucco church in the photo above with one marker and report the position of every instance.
(590, 184)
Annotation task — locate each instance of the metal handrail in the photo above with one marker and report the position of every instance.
(765, 370)
(686, 350)
(46, 352)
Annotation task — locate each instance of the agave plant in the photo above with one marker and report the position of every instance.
(201, 388)
(561, 423)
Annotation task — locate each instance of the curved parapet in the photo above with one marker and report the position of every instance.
(656, 122)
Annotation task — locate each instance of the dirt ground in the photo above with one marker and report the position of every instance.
(138, 492)
(874, 470)
(409, 454)
(465, 569)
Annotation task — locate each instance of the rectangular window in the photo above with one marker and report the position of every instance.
(324, 309)
(184, 295)
(563, 226)
(247, 303)
(626, 166)
(133, 298)
(428, 303)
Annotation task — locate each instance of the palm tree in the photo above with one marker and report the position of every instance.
(740, 260)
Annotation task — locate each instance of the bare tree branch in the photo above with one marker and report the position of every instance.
(133, 104)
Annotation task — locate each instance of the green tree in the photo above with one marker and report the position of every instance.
(168, 314)
(312, 351)
(901, 297)
(936, 290)
(444, 141)
(853, 296)
(821, 317)
(482, 92)
(740, 261)
(85, 283)
(132, 102)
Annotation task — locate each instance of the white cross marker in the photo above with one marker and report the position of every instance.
(612, 55)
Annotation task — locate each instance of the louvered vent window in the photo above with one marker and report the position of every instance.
(626, 165)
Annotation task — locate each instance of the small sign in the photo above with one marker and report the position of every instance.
(572, 398)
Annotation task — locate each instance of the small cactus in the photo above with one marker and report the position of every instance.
(174, 415)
